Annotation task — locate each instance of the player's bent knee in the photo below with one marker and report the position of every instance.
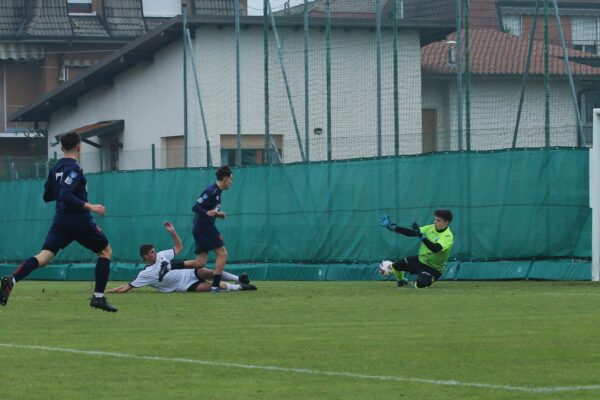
(222, 253)
(105, 253)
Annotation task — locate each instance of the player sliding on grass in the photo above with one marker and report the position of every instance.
(68, 187)
(180, 280)
(436, 243)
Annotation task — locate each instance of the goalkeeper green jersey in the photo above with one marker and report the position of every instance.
(444, 239)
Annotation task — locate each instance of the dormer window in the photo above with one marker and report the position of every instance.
(512, 24)
(80, 7)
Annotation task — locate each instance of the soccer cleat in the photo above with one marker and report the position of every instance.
(244, 279)
(215, 290)
(6, 285)
(102, 304)
(402, 282)
(164, 268)
(247, 286)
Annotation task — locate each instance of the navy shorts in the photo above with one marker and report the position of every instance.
(74, 227)
(207, 238)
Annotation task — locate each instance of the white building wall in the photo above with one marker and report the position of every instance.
(435, 97)
(353, 87)
(149, 97)
(494, 106)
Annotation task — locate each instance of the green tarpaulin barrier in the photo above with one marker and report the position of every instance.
(543, 270)
(517, 204)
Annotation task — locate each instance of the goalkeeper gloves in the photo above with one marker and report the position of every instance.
(384, 221)
(417, 231)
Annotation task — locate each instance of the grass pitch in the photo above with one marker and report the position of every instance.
(305, 340)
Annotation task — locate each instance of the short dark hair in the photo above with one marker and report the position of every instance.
(446, 215)
(145, 249)
(223, 172)
(70, 140)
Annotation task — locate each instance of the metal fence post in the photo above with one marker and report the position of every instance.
(153, 150)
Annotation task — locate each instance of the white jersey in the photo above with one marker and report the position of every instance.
(178, 280)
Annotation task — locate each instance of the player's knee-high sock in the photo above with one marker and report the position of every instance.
(177, 264)
(216, 280)
(102, 272)
(229, 277)
(397, 272)
(26, 268)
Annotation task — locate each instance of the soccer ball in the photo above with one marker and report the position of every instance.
(385, 268)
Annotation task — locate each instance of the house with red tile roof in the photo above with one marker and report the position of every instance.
(499, 43)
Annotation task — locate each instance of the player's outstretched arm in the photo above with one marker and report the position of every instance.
(177, 244)
(385, 221)
(121, 289)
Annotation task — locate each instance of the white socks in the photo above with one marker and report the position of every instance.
(232, 287)
(229, 277)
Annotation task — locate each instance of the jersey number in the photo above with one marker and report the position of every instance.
(58, 176)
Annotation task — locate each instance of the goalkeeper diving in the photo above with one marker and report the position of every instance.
(436, 243)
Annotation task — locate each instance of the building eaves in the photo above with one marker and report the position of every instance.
(154, 22)
(143, 48)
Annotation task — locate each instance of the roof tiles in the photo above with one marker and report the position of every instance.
(497, 53)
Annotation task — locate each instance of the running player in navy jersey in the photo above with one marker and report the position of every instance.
(206, 235)
(67, 186)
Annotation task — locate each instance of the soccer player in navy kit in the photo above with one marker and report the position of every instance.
(68, 187)
(206, 235)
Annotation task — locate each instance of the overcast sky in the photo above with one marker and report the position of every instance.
(255, 7)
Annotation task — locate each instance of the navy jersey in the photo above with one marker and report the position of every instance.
(208, 200)
(67, 186)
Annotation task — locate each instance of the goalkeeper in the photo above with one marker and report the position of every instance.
(436, 244)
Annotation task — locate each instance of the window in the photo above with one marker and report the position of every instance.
(253, 149)
(80, 7)
(512, 24)
(249, 157)
(588, 100)
(586, 35)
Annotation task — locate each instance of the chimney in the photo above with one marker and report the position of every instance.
(451, 52)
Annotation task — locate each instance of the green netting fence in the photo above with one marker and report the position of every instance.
(514, 204)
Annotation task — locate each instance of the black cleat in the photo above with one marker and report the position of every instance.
(402, 282)
(6, 285)
(244, 278)
(164, 269)
(102, 304)
(247, 286)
